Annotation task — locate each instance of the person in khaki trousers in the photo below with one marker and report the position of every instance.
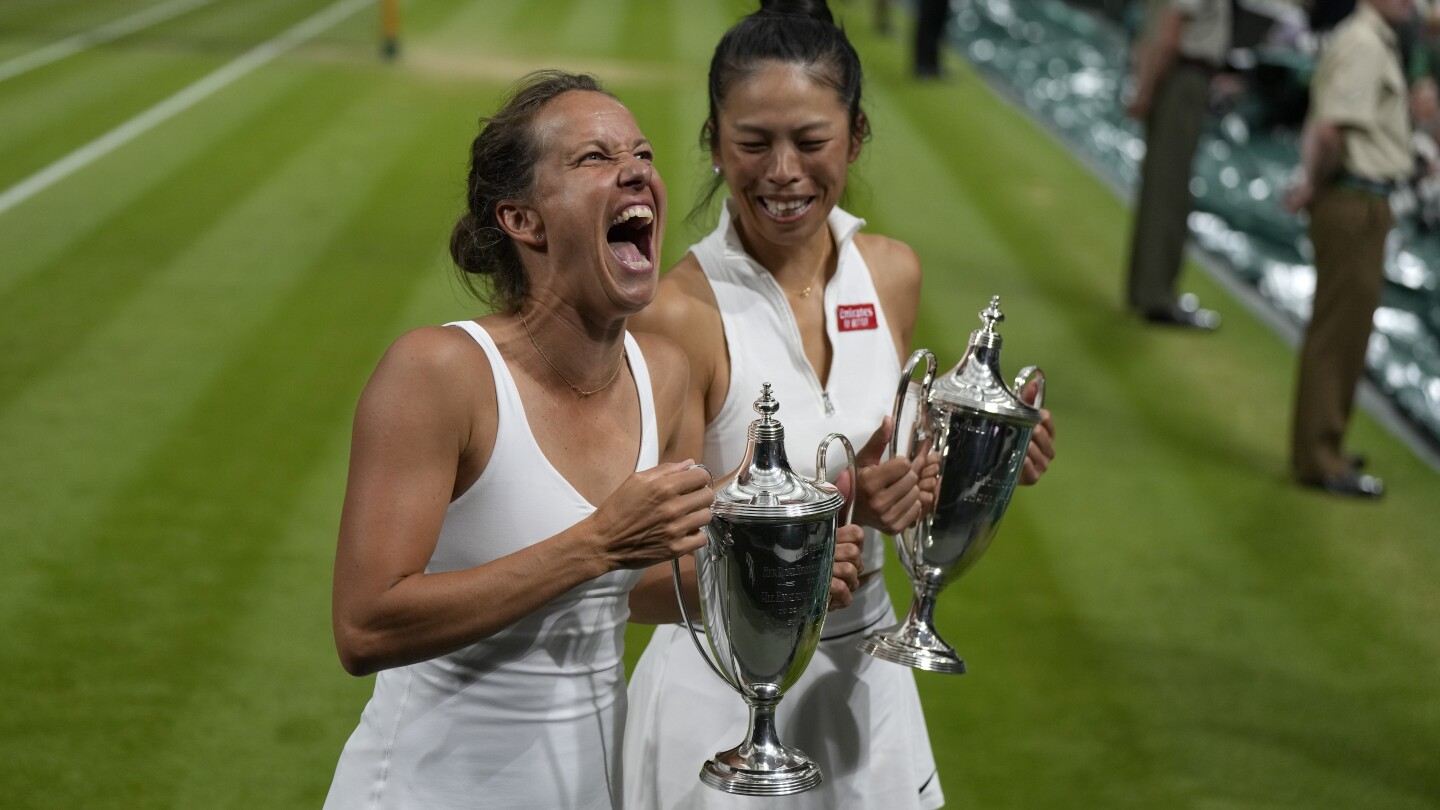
(1185, 45)
(1355, 146)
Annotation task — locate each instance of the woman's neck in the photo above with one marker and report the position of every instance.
(582, 353)
(798, 268)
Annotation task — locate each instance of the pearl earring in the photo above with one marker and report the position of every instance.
(715, 167)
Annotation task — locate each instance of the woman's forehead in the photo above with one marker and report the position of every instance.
(582, 116)
(791, 79)
(781, 87)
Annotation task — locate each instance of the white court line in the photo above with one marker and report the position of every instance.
(56, 51)
(181, 101)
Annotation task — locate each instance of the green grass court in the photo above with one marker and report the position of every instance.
(188, 314)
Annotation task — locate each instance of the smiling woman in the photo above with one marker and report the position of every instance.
(788, 289)
(474, 570)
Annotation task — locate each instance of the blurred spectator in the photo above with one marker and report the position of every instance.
(931, 17)
(1355, 147)
(1420, 47)
(1183, 48)
(1326, 14)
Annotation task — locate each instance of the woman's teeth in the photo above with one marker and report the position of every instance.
(785, 208)
(632, 212)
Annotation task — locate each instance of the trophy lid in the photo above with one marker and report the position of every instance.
(765, 489)
(976, 382)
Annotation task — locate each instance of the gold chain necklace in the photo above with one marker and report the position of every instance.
(573, 387)
(805, 293)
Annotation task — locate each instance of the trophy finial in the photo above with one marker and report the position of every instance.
(766, 405)
(992, 315)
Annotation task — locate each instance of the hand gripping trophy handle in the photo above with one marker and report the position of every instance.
(820, 469)
(980, 428)
(1025, 377)
(918, 433)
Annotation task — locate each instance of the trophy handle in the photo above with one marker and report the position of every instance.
(917, 437)
(1023, 379)
(849, 460)
(690, 628)
(921, 434)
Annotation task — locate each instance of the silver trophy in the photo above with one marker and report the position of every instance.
(981, 429)
(764, 589)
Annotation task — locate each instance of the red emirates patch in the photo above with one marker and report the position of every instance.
(856, 316)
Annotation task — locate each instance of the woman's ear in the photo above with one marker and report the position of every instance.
(708, 136)
(520, 223)
(858, 135)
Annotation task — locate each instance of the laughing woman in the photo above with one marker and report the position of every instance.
(505, 487)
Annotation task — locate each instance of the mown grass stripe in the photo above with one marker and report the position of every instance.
(43, 21)
(36, 233)
(55, 111)
(72, 45)
(71, 104)
(170, 107)
(469, 29)
(537, 23)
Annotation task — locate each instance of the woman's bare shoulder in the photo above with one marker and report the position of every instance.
(439, 371)
(434, 351)
(890, 260)
(895, 272)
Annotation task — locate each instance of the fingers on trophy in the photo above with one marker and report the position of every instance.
(981, 429)
(764, 576)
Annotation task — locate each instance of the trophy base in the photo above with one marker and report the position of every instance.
(900, 645)
(731, 773)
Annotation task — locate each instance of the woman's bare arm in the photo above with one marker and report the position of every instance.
(428, 412)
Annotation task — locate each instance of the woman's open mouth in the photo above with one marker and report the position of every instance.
(629, 237)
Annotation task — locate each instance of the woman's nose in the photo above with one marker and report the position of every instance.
(784, 165)
(636, 172)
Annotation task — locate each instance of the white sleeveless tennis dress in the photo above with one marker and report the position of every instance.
(857, 716)
(533, 715)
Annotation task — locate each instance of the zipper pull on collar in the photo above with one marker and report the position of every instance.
(829, 406)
